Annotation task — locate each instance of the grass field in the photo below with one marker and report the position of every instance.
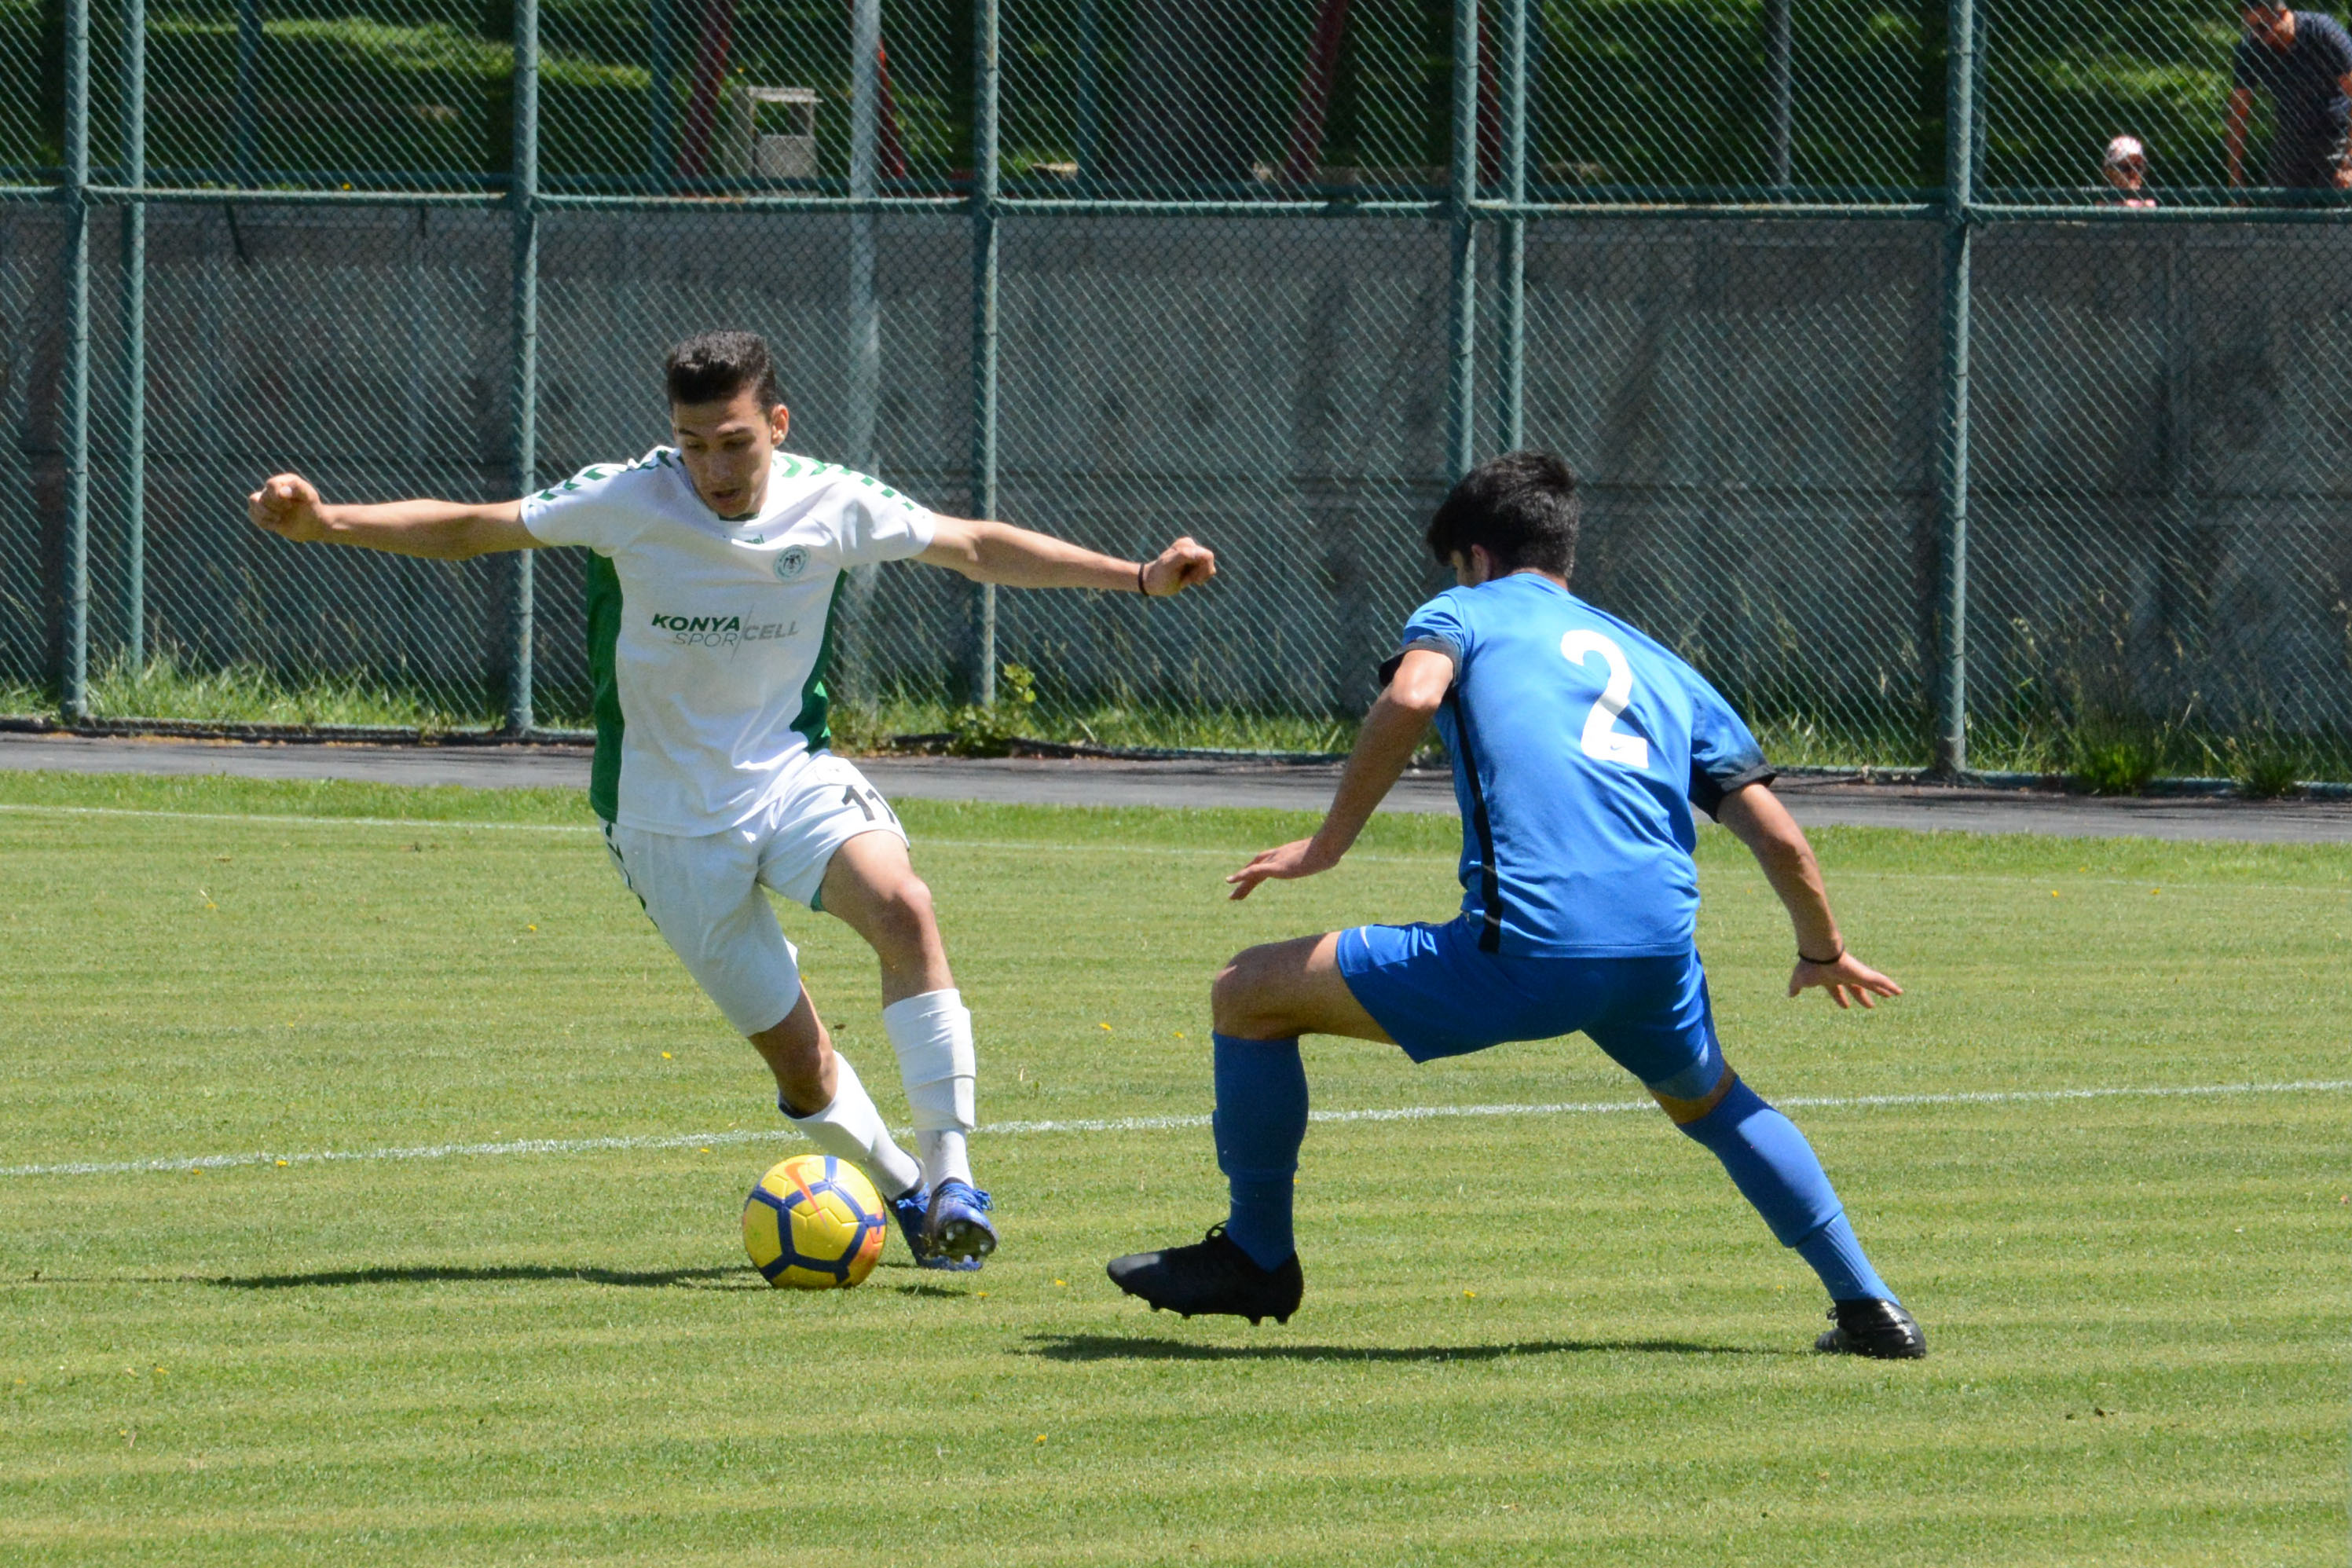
(1542, 1336)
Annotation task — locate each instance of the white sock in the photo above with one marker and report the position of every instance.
(851, 1129)
(944, 1157)
(932, 1034)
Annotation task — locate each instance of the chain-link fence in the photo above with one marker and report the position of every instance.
(1957, 386)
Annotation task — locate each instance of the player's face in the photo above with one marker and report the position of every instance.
(2274, 25)
(726, 447)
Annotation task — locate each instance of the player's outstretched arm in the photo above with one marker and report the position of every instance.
(1758, 819)
(289, 506)
(1383, 746)
(1019, 558)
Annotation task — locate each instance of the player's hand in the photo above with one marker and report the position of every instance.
(1849, 973)
(1179, 567)
(288, 506)
(1299, 859)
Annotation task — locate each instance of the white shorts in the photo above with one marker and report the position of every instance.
(704, 896)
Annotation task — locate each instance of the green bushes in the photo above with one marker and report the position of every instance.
(1626, 92)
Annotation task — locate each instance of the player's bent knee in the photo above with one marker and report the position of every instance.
(910, 905)
(1245, 999)
(904, 923)
(1688, 1098)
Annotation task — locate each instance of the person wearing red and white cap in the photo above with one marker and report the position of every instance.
(2127, 169)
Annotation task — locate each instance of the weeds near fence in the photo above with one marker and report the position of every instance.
(1802, 739)
(2122, 766)
(977, 730)
(2093, 696)
(870, 724)
(170, 686)
(2264, 766)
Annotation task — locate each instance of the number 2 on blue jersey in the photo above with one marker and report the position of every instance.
(1603, 742)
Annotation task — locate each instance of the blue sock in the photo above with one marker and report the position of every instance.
(1837, 1256)
(1261, 1120)
(1775, 1170)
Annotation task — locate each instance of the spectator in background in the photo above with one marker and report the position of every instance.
(2127, 168)
(2304, 60)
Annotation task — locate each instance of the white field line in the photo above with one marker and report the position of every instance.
(1011, 845)
(1154, 1124)
(1360, 857)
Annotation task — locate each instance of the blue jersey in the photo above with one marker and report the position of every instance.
(1580, 747)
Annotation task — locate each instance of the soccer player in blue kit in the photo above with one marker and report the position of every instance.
(1580, 747)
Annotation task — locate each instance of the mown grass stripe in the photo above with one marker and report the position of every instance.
(413, 824)
(1153, 1124)
(282, 820)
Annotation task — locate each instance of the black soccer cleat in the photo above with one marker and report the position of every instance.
(1211, 1276)
(1880, 1330)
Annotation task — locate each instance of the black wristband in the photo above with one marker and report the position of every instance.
(1140, 585)
(1833, 958)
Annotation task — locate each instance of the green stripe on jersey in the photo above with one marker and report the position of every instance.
(814, 724)
(604, 633)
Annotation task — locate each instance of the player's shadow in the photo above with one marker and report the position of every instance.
(735, 1278)
(1117, 1347)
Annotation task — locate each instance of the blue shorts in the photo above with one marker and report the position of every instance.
(1437, 996)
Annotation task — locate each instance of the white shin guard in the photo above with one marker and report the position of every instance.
(852, 1129)
(932, 1034)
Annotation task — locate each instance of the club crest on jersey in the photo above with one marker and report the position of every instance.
(791, 562)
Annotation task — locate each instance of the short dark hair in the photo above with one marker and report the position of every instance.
(1522, 506)
(715, 367)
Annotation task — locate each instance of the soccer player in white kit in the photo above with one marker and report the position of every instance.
(717, 563)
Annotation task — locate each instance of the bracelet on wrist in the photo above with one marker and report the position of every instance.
(1141, 586)
(1833, 958)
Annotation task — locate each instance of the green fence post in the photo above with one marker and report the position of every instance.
(522, 197)
(661, 97)
(1951, 749)
(1088, 150)
(74, 678)
(245, 123)
(1779, 68)
(1512, 329)
(134, 337)
(1461, 357)
(983, 328)
(865, 388)
(1980, 40)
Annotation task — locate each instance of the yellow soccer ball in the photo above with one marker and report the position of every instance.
(813, 1224)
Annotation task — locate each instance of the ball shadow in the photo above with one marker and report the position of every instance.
(734, 1277)
(1120, 1347)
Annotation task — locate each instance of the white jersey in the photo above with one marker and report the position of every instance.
(708, 636)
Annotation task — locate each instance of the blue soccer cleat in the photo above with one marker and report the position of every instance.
(957, 1230)
(911, 1208)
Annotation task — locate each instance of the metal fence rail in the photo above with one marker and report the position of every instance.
(1895, 416)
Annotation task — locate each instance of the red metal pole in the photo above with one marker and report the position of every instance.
(709, 75)
(890, 148)
(1315, 92)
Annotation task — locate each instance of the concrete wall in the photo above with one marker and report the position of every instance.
(2160, 442)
